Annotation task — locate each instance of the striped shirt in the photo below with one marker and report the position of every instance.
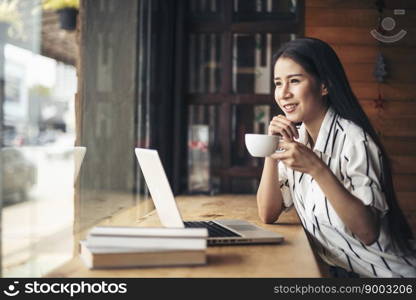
(355, 160)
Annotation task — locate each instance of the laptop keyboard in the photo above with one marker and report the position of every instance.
(214, 230)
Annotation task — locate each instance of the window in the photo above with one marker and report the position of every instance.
(38, 134)
(187, 78)
(229, 85)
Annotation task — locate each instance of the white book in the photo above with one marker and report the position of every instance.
(146, 242)
(150, 231)
(96, 258)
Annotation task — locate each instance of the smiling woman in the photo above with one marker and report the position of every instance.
(334, 170)
(299, 95)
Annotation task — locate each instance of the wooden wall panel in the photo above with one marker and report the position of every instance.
(346, 26)
(408, 4)
(331, 17)
(355, 17)
(399, 145)
(356, 54)
(355, 35)
(395, 125)
(363, 72)
(405, 183)
(391, 92)
(403, 164)
(395, 108)
(407, 198)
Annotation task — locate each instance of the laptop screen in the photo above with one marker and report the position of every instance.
(159, 187)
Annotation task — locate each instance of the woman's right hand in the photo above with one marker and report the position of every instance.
(280, 125)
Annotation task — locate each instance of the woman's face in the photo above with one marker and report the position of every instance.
(296, 92)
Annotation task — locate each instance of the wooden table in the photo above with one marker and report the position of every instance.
(292, 258)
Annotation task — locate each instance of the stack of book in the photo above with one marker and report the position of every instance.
(121, 247)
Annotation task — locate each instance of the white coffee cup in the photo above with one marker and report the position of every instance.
(261, 145)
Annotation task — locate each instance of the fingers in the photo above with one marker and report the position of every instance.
(290, 125)
(285, 146)
(280, 129)
(280, 155)
(283, 152)
(282, 126)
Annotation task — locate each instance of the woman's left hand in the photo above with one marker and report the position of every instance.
(298, 157)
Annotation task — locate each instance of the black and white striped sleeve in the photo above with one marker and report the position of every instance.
(363, 169)
(284, 186)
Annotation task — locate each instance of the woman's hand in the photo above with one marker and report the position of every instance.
(280, 125)
(300, 158)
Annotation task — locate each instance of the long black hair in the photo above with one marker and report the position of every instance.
(320, 60)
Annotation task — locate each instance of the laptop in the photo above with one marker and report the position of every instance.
(221, 232)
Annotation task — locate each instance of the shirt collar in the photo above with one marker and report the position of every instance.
(323, 143)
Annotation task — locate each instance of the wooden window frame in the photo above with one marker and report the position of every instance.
(225, 99)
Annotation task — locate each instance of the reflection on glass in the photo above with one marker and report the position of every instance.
(248, 119)
(19, 175)
(37, 163)
(204, 8)
(39, 107)
(202, 147)
(114, 118)
(198, 158)
(261, 119)
(38, 213)
(252, 59)
(204, 63)
(264, 6)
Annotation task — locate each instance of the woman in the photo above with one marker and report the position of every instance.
(333, 169)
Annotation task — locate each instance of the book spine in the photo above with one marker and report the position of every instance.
(146, 243)
(151, 232)
(139, 259)
(191, 259)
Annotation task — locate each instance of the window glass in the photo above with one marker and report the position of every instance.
(252, 60)
(201, 10)
(262, 10)
(203, 148)
(38, 158)
(204, 63)
(47, 195)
